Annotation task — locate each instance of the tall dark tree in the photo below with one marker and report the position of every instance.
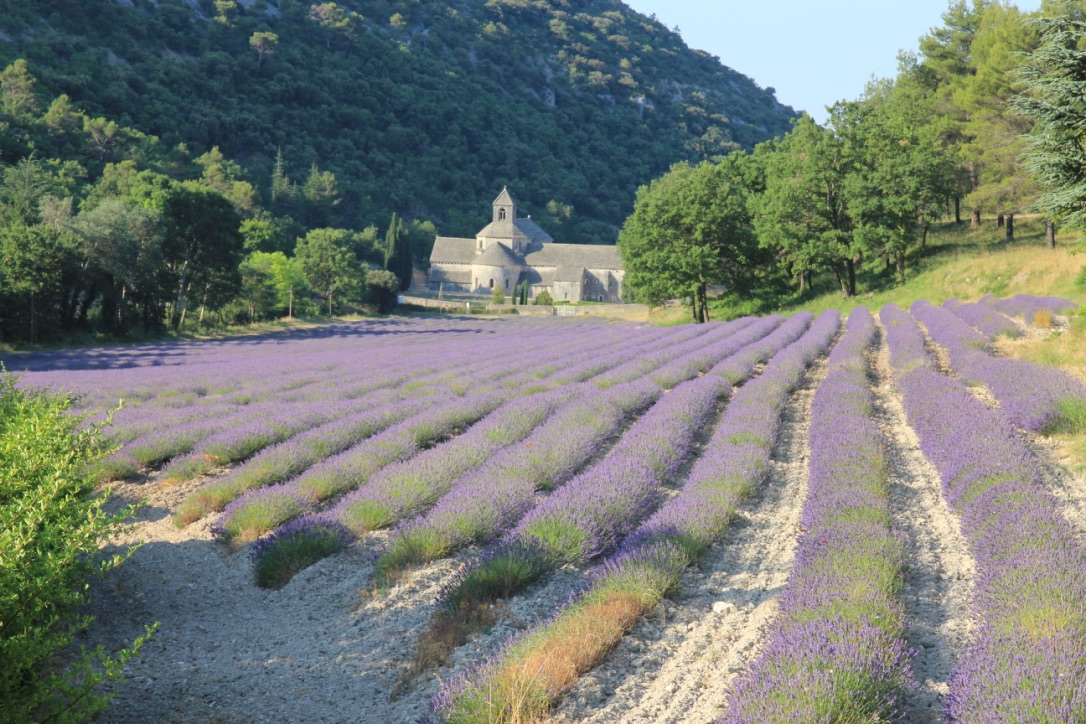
(1056, 101)
(398, 252)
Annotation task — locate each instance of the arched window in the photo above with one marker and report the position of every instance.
(501, 214)
(601, 297)
(506, 285)
(480, 243)
(491, 283)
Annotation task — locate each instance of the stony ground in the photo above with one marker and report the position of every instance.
(328, 648)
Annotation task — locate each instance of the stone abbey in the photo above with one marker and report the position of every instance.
(509, 251)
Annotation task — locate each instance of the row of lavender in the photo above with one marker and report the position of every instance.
(1034, 397)
(1026, 661)
(529, 446)
(837, 651)
(345, 467)
(611, 503)
(223, 431)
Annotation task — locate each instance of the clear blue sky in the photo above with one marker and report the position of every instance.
(813, 53)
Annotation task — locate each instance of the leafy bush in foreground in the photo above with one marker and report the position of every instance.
(50, 529)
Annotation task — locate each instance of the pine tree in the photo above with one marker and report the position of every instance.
(1056, 100)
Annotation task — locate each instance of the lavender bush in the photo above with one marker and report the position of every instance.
(1026, 661)
(1033, 396)
(987, 320)
(647, 566)
(838, 650)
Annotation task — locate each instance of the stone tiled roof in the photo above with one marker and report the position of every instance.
(588, 256)
(505, 229)
(499, 255)
(569, 274)
(450, 250)
(533, 230)
(505, 198)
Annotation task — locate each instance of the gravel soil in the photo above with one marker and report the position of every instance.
(940, 573)
(677, 664)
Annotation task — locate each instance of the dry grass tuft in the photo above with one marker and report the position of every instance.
(1042, 319)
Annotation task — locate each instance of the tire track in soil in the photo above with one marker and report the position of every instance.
(939, 571)
(677, 665)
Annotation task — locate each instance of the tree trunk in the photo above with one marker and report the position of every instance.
(924, 236)
(974, 219)
(999, 221)
(178, 309)
(958, 210)
(842, 280)
(851, 277)
(802, 282)
(1050, 233)
(694, 307)
(1010, 227)
(900, 262)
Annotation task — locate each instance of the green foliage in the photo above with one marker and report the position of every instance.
(51, 526)
(383, 288)
(689, 230)
(1056, 79)
(398, 255)
(497, 295)
(404, 117)
(329, 267)
(543, 299)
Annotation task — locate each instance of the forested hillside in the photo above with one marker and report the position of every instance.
(420, 107)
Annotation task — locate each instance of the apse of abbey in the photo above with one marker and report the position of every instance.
(510, 250)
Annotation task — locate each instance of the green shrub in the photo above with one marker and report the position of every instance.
(543, 299)
(51, 525)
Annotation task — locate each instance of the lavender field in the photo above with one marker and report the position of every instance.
(772, 519)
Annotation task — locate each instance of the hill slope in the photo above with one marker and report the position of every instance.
(421, 107)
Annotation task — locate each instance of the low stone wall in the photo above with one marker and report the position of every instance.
(631, 312)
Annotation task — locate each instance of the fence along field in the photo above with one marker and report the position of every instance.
(560, 476)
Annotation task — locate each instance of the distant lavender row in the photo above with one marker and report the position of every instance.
(250, 430)
(707, 358)
(411, 487)
(1027, 660)
(989, 321)
(1032, 396)
(589, 515)
(1027, 305)
(487, 503)
(650, 561)
(290, 458)
(837, 651)
(645, 363)
(349, 469)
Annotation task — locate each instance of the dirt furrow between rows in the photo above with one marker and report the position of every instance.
(677, 665)
(940, 571)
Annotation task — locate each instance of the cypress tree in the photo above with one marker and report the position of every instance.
(398, 252)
